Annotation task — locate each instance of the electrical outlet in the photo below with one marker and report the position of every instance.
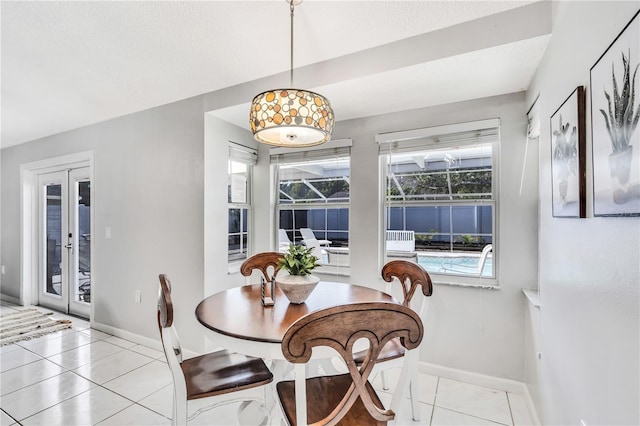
(138, 296)
(107, 233)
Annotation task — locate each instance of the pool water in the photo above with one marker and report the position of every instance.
(464, 265)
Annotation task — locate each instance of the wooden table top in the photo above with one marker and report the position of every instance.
(238, 311)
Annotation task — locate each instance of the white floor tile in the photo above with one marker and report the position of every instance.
(136, 415)
(95, 334)
(16, 358)
(427, 384)
(87, 408)
(6, 420)
(474, 400)
(27, 375)
(443, 417)
(141, 382)
(161, 401)
(8, 348)
(120, 342)
(47, 347)
(519, 409)
(404, 417)
(6, 310)
(115, 365)
(86, 354)
(47, 393)
(145, 350)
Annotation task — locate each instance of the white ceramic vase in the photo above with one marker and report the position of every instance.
(297, 288)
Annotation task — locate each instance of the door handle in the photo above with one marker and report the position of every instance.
(69, 246)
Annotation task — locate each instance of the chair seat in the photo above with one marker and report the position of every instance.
(324, 393)
(392, 350)
(223, 372)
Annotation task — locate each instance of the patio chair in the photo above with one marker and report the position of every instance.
(463, 268)
(411, 277)
(317, 249)
(283, 240)
(347, 399)
(308, 234)
(222, 376)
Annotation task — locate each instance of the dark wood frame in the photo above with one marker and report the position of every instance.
(604, 198)
(576, 97)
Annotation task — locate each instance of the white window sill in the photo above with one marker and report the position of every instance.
(486, 286)
(533, 296)
(234, 267)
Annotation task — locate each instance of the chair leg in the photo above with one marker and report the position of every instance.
(383, 379)
(414, 394)
(179, 410)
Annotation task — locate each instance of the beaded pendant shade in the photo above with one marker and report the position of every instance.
(291, 117)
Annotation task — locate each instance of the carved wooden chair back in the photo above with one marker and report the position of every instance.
(266, 263)
(339, 328)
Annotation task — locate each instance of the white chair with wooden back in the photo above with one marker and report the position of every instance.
(346, 399)
(413, 279)
(223, 377)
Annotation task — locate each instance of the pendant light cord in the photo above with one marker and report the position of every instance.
(291, 7)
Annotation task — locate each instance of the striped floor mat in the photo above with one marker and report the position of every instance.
(28, 324)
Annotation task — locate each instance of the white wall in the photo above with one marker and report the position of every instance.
(472, 329)
(589, 321)
(149, 189)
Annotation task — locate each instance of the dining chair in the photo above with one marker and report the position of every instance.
(411, 276)
(347, 399)
(263, 262)
(222, 376)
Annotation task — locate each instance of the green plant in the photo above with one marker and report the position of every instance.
(298, 260)
(621, 120)
(467, 240)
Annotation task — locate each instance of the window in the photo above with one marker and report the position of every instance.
(440, 198)
(241, 161)
(312, 202)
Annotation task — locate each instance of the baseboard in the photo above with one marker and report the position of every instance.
(136, 338)
(10, 299)
(499, 383)
(124, 334)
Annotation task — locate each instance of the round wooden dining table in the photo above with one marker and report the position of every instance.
(241, 324)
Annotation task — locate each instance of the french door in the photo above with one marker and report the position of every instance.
(65, 240)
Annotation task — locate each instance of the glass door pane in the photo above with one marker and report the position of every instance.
(53, 233)
(82, 282)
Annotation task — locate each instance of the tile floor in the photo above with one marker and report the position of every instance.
(82, 376)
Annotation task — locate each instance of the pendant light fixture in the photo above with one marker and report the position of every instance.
(291, 117)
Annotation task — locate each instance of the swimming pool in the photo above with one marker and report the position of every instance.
(465, 265)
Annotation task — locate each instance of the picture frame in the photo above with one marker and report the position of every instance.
(615, 105)
(568, 157)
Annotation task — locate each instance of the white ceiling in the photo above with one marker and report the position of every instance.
(69, 64)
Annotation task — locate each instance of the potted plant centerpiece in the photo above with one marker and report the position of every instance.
(299, 262)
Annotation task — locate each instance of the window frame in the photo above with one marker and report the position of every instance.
(247, 156)
(342, 149)
(418, 140)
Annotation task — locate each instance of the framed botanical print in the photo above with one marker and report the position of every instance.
(568, 157)
(615, 112)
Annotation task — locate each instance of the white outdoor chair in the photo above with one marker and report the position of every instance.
(283, 240)
(307, 234)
